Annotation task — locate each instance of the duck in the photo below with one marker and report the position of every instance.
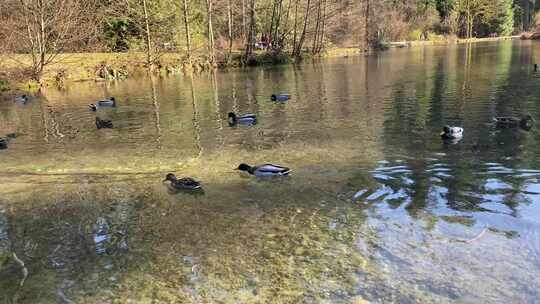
(185, 183)
(3, 143)
(103, 123)
(280, 97)
(22, 99)
(246, 119)
(265, 170)
(513, 122)
(109, 103)
(452, 133)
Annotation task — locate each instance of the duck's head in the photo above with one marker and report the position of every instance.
(243, 167)
(536, 67)
(232, 117)
(24, 96)
(273, 97)
(92, 107)
(446, 129)
(526, 122)
(170, 177)
(112, 99)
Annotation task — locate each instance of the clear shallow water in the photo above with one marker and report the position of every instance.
(378, 208)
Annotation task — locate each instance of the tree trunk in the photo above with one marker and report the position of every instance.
(42, 41)
(303, 35)
(250, 39)
(278, 22)
(148, 40)
(366, 33)
(286, 26)
(211, 54)
(271, 30)
(230, 21)
(316, 35)
(295, 27)
(243, 19)
(188, 34)
(323, 27)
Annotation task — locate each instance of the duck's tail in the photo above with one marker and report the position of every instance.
(286, 172)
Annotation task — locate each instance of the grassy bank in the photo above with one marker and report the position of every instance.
(116, 66)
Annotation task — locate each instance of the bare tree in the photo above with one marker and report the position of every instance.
(46, 28)
(471, 10)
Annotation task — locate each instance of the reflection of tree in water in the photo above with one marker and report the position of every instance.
(217, 103)
(196, 118)
(156, 107)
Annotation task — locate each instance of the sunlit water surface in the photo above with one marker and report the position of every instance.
(378, 209)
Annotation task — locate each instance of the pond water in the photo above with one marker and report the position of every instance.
(378, 209)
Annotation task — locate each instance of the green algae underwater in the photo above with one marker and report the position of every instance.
(377, 210)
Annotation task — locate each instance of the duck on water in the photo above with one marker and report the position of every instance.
(5, 140)
(106, 103)
(185, 183)
(22, 99)
(451, 133)
(506, 122)
(265, 170)
(280, 97)
(246, 119)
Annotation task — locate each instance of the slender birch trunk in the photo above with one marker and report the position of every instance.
(148, 38)
(188, 33)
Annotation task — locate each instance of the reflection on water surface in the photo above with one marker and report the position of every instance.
(378, 208)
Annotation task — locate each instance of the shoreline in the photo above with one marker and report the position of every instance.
(100, 67)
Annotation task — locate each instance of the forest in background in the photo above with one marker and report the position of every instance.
(219, 30)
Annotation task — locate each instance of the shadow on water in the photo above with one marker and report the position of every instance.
(378, 207)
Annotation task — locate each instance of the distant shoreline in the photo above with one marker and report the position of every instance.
(449, 41)
(100, 67)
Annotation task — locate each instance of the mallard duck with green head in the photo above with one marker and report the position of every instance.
(245, 119)
(105, 103)
(280, 97)
(451, 133)
(265, 170)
